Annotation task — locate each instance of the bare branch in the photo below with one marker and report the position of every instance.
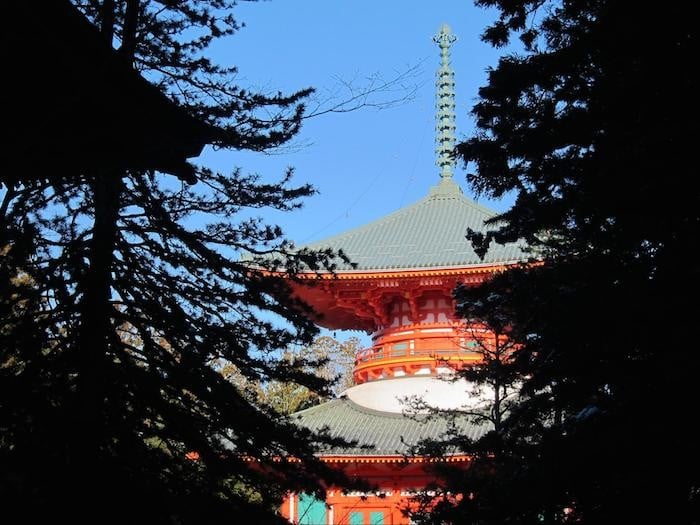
(374, 91)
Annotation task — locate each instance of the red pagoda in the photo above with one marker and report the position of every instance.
(406, 266)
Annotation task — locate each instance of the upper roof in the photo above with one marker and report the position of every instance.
(427, 234)
(378, 433)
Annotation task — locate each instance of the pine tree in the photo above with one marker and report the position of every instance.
(589, 126)
(133, 289)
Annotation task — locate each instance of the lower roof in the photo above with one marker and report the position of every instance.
(376, 433)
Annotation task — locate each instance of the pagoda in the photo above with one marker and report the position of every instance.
(399, 288)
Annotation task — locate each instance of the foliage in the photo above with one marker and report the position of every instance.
(589, 127)
(168, 43)
(132, 288)
(327, 358)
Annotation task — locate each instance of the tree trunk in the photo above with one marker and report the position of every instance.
(96, 332)
(107, 22)
(131, 19)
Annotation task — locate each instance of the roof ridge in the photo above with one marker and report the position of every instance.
(314, 408)
(374, 412)
(352, 405)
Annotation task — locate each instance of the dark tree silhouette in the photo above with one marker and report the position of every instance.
(590, 127)
(122, 287)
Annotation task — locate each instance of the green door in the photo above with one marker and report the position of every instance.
(311, 511)
(356, 518)
(376, 518)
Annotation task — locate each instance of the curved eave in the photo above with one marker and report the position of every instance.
(410, 272)
(350, 458)
(379, 458)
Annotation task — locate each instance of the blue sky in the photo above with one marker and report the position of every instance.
(367, 163)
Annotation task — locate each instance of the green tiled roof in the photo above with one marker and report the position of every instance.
(427, 234)
(377, 433)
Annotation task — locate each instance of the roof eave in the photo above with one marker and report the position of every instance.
(380, 273)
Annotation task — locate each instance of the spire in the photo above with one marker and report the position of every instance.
(445, 104)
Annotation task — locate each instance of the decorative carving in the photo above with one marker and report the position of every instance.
(377, 299)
